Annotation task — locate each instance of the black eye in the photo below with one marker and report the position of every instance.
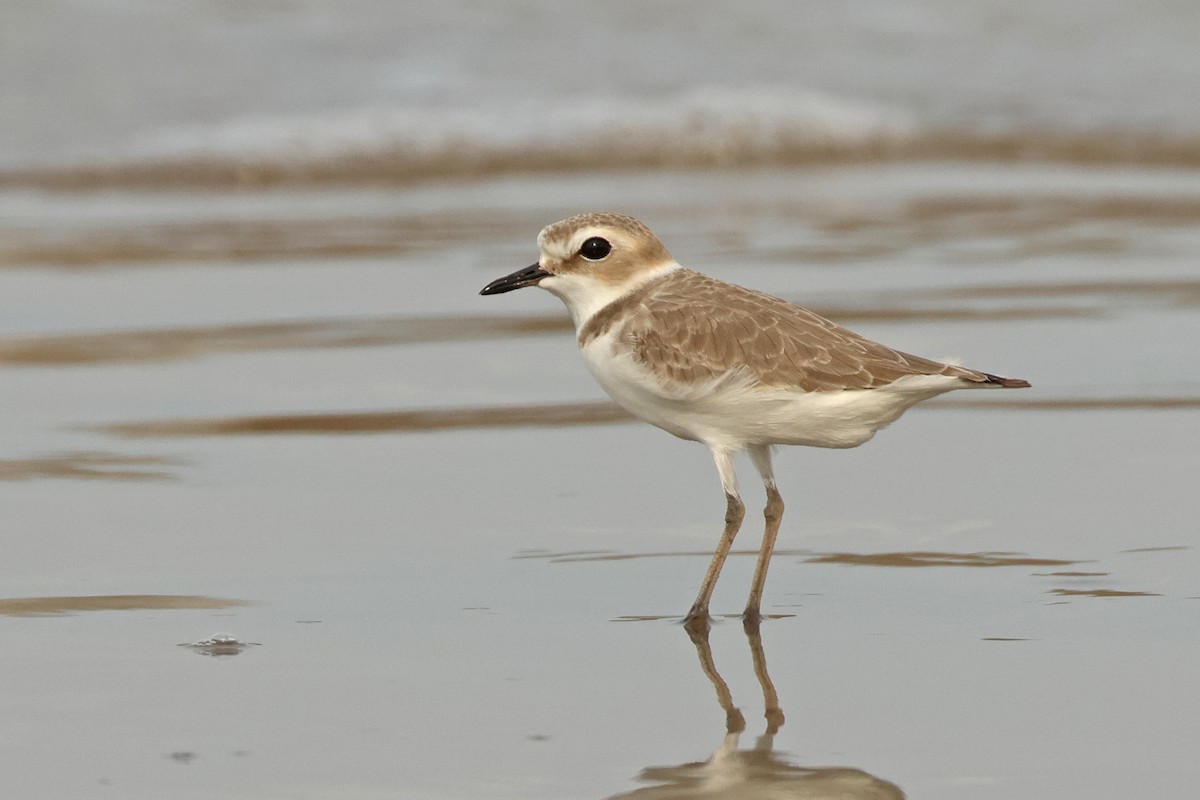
(595, 249)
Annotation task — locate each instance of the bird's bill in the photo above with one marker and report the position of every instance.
(517, 280)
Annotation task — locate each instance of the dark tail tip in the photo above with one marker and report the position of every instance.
(1007, 383)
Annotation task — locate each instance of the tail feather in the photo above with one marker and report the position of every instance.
(1006, 383)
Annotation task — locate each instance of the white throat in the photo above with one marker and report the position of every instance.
(584, 295)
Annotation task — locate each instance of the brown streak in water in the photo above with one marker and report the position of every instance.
(677, 618)
(241, 240)
(1069, 574)
(38, 606)
(1042, 221)
(899, 559)
(397, 167)
(384, 421)
(177, 343)
(543, 553)
(1181, 210)
(164, 344)
(532, 416)
(1158, 549)
(1101, 593)
(91, 466)
(569, 557)
(1031, 224)
(929, 559)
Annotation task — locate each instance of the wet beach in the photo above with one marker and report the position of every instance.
(290, 511)
(465, 569)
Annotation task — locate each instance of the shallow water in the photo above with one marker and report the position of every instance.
(290, 511)
(462, 569)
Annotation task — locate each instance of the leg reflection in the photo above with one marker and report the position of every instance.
(771, 709)
(735, 722)
(735, 774)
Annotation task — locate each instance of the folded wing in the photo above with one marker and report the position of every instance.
(689, 328)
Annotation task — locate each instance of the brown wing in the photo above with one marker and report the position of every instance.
(688, 327)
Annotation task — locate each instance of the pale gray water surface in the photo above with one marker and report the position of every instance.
(249, 393)
(446, 608)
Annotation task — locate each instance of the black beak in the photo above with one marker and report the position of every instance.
(518, 280)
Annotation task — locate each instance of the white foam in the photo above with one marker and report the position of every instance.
(710, 125)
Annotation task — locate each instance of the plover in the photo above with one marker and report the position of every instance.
(732, 368)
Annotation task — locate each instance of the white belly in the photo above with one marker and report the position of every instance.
(734, 412)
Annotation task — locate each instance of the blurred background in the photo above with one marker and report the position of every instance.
(303, 90)
(247, 386)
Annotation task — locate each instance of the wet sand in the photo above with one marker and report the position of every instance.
(462, 569)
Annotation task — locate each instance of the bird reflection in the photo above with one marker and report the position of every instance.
(757, 772)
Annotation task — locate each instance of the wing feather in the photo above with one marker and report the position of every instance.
(689, 328)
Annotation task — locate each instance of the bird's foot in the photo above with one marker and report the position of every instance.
(697, 622)
(751, 619)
